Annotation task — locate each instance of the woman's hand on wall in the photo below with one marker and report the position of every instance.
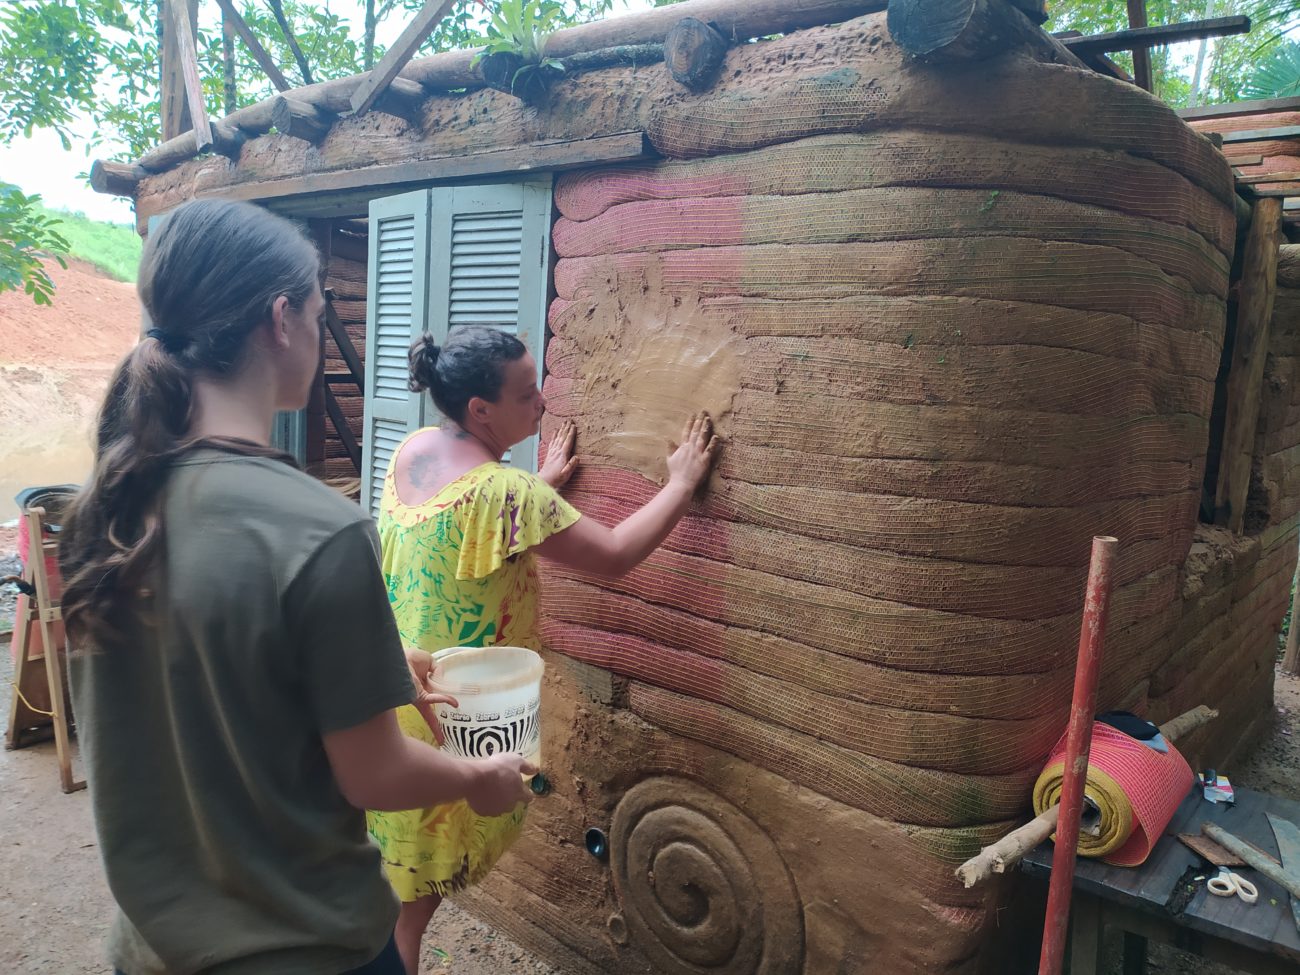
(560, 461)
(689, 464)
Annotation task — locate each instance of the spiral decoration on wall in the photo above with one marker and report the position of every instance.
(703, 887)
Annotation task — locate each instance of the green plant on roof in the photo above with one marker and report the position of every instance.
(516, 43)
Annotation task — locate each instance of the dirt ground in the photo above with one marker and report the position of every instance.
(55, 361)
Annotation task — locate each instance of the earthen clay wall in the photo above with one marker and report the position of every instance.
(953, 323)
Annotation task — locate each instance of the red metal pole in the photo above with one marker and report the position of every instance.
(1096, 608)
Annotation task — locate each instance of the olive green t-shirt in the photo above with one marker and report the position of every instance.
(226, 841)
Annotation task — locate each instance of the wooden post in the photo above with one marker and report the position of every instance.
(300, 119)
(1258, 287)
(1137, 17)
(417, 31)
(187, 63)
(1078, 742)
(694, 51)
(255, 48)
(174, 106)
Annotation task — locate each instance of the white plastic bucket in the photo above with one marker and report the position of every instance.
(499, 690)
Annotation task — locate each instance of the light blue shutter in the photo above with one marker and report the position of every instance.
(397, 296)
(490, 250)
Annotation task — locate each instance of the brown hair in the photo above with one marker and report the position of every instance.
(208, 277)
(468, 364)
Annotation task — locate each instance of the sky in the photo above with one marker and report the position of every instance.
(41, 164)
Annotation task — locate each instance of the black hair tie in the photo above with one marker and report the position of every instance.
(162, 338)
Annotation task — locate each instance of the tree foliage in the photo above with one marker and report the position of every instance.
(25, 233)
(1229, 62)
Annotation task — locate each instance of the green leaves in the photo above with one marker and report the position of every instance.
(1277, 76)
(25, 233)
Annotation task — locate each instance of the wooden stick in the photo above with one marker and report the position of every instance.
(1268, 178)
(1078, 745)
(300, 120)
(255, 48)
(1262, 135)
(1258, 106)
(1254, 859)
(416, 33)
(693, 52)
(115, 179)
(1011, 849)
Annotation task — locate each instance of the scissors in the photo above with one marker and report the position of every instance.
(1228, 883)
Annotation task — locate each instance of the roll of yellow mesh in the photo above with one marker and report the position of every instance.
(1116, 811)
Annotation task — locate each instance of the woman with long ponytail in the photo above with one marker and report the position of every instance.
(235, 665)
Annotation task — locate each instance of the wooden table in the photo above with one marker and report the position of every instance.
(1143, 902)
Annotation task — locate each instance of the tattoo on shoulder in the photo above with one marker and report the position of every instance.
(423, 470)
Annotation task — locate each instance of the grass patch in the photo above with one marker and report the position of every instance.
(113, 248)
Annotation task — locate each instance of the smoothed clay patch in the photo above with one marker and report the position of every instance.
(651, 358)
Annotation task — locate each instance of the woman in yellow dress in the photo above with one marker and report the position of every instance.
(458, 531)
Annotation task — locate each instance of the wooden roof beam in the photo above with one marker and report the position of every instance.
(255, 48)
(416, 33)
(970, 30)
(277, 8)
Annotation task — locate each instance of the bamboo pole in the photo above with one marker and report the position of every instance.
(1078, 743)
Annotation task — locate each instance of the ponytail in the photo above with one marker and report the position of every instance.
(211, 272)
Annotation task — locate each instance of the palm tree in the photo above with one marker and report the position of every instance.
(1277, 76)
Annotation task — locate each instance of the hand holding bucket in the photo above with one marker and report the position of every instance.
(489, 701)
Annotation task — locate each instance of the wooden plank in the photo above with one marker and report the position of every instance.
(553, 156)
(416, 33)
(1262, 135)
(277, 8)
(1148, 37)
(1259, 106)
(187, 56)
(1137, 17)
(174, 106)
(255, 48)
(344, 341)
(1277, 190)
(1245, 160)
(1258, 286)
(346, 437)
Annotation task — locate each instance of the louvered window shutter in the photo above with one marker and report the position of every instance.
(396, 303)
(490, 250)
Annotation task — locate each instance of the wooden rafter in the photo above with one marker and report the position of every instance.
(187, 63)
(174, 107)
(255, 48)
(416, 33)
(277, 8)
(1147, 37)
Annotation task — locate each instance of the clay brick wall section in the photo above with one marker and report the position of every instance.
(953, 323)
(1236, 591)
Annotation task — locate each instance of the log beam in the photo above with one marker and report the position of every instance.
(255, 48)
(1258, 287)
(116, 179)
(173, 106)
(300, 119)
(943, 31)
(694, 51)
(415, 34)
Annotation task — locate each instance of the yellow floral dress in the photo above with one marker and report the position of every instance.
(460, 573)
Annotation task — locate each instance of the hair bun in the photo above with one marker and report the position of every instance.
(423, 363)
